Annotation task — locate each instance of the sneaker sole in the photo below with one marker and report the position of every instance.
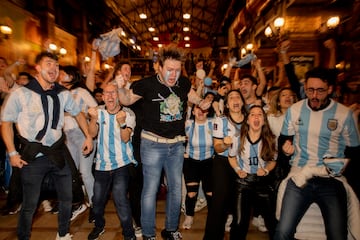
(101, 233)
(79, 211)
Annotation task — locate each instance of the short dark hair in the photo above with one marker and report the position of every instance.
(251, 77)
(170, 52)
(75, 73)
(44, 54)
(118, 66)
(28, 75)
(321, 73)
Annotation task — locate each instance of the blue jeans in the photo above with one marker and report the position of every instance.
(328, 193)
(74, 140)
(32, 176)
(155, 157)
(119, 180)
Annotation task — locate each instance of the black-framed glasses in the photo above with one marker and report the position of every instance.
(318, 90)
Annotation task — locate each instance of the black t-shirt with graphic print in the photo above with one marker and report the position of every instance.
(164, 108)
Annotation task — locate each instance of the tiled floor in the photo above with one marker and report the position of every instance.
(45, 225)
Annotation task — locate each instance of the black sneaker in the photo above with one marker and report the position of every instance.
(171, 235)
(148, 238)
(95, 233)
(91, 215)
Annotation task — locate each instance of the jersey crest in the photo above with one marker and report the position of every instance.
(332, 124)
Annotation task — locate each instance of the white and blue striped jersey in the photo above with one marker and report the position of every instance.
(199, 139)
(319, 134)
(112, 153)
(249, 160)
(24, 107)
(223, 128)
(85, 101)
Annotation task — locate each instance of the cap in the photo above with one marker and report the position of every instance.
(200, 73)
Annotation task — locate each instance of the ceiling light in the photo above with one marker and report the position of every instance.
(87, 59)
(332, 22)
(131, 41)
(186, 38)
(186, 16)
(151, 29)
(107, 66)
(134, 47)
(186, 29)
(156, 38)
(187, 44)
(123, 33)
(142, 16)
(138, 47)
(160, 45)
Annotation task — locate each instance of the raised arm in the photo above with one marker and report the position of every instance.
(262, 79)
(90, 69)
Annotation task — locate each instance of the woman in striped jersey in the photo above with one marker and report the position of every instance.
(252, 158)
(198, 160)
(225, 129)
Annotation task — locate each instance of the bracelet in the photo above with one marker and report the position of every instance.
(13, 153)
(266, 172)
(237, 168)
(123, 126)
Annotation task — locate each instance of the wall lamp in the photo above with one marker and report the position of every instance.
(5, 32)
(278, 24)
(53, 48)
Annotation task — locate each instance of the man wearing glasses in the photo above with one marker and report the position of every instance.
(315, 130)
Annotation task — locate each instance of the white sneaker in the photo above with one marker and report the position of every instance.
(68, 236)
(255, 222)
(228, 223)
(189, 220)
(200, 204)
(261, 226)
(46, 205)
(138, 232)
(78, 211)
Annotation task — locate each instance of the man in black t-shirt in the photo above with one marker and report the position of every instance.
(165, 96)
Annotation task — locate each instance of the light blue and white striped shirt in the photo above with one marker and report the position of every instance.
(319, 134)
(200, 142)
(249, 160)
(223, 128)
(112, 152)
(24, 108)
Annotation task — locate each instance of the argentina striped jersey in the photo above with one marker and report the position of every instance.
(319, 134)
(112, 152)
(200, 143)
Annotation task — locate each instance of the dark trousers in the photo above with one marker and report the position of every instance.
(223, 183)
(32, 176)
(253, 191)
(119, 180)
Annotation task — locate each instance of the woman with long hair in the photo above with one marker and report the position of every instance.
(224, 131)
(252, 156)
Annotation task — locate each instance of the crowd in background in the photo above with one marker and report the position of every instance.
(237, 136)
